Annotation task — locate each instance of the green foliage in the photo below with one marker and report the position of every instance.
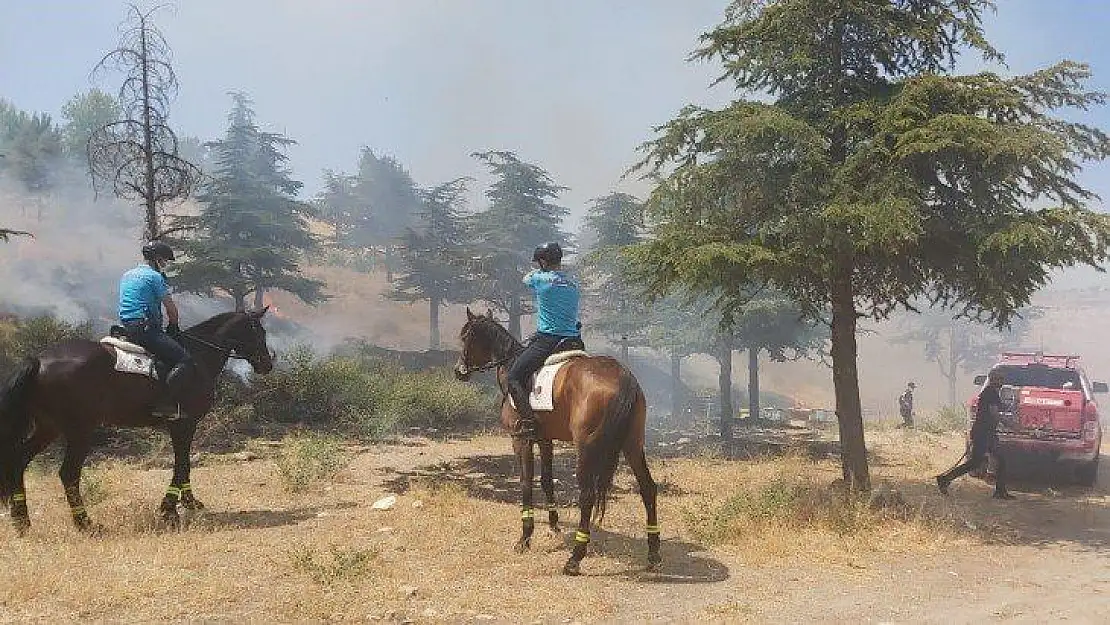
(30, 147)
(252, 231)
(873, 178)
(306, 458)
(362, 396)
(434, 255)
(29, 337)
(613, 222)
(520, 217)
(373, 206)
(84, 114)
(948, 419)
(344, 563)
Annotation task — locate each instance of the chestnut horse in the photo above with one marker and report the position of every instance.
(72, 387)
(599, 407)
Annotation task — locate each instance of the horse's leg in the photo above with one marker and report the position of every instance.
(547, 480)
(181, 435)
(182, 462)
(21, 517)
(648, 491)
(78, 444)
(586, 496)
(523, 448)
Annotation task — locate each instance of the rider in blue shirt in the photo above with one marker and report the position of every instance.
(142, 294)
(556, 296)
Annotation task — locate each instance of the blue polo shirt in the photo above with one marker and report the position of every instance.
(556, 297)
(140, 295)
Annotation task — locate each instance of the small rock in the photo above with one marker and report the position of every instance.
(475, 476)
(385, 529)
(429, 613)
(682, 441)
(418, 504)
(195, 458)
(321, 514)
(385, 503)
(244, 456)
(408, 591)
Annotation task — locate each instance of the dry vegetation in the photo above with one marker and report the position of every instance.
(291, 536)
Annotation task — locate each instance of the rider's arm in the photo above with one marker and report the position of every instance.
(528, 277)
(171, 310)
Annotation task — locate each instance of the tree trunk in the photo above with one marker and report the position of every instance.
(433, 322)
(753, 382)
(148, 140)
(724, 383)
(514, 318)
(849, 413)
(676, 384)
(624, 349)
(240, 300)
(259, 297)
(951, 375)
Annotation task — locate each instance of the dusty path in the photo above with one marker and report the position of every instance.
(256, 553)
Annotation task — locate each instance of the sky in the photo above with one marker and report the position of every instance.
(573, 86)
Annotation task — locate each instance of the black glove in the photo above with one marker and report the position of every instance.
(173, 330)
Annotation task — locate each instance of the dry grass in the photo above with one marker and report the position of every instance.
(264, 554)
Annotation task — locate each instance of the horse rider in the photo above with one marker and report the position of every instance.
(143, 292)
(984, 439)
(556, 297)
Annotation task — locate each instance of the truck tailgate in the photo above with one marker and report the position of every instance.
(1050, 409)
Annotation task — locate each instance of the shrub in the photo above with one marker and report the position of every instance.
(308, 457)
(344, 564)
(364, 396)
(947, 419)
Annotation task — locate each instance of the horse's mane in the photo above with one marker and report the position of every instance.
(209, 327)
(495, 335)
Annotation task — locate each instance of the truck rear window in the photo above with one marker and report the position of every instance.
(1040, 375)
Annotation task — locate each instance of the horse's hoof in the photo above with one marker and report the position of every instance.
(170, 520)
(22, 526)
(654, 562)
(522, 545)
(572, 567)
(191, 503)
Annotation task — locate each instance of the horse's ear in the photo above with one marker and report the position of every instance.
(489, 313)
(257, 314)
(469, 315)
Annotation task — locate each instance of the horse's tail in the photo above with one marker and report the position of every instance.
(15, 425)
(603, 452)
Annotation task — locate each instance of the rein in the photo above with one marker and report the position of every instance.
(228, 352)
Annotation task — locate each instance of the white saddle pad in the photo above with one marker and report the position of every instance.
(542, 396)
(131, 358)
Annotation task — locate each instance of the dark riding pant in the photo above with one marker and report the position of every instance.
(526, 363)
(154, 340)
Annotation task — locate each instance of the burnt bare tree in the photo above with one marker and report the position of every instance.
(137, 156)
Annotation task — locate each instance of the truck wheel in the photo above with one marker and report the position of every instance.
(1087, 473)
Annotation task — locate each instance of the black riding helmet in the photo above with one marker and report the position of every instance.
(157, 250)
(550, 252)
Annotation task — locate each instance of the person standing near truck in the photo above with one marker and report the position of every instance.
(984, 439)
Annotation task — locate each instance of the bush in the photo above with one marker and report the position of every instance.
(363, 396)
(947, 419)
(307, 457)
(28, 337)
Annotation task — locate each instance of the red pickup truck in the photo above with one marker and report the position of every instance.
(1049, 412)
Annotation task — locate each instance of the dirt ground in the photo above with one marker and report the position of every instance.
(443, 553)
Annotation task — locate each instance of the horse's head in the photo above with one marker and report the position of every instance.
(247, 338)
(477, 344)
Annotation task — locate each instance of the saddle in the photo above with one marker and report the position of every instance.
(130, 358)
(542, 382)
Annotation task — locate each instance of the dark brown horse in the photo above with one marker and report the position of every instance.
(599, 407)
(73, 387)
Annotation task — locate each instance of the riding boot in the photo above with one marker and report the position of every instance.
(526, 426)
(179, 382)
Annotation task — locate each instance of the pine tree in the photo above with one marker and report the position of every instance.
(252, 230)
(433, 258)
